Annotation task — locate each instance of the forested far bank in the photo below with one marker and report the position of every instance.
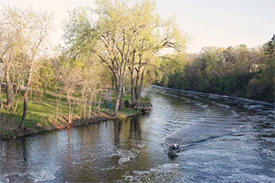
(235, 71)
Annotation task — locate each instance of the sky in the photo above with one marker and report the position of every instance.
(220, 23)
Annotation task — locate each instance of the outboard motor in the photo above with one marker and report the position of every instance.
(173, 150)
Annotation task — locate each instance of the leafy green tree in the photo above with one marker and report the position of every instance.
(45, 74)
(268, 70)
(22, 34)
(124, 37)
(237, 71)
(12, 40)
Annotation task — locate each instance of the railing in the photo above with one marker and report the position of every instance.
(142, 106)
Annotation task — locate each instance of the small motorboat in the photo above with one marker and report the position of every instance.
(173, 150)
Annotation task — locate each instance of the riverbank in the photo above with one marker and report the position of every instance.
(43, 115)
(212, 96)
(63, 123)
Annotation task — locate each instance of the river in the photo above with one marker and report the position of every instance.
(219, 143)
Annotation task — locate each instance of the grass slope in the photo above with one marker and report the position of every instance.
(41, 114)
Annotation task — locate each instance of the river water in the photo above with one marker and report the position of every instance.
(219, 143)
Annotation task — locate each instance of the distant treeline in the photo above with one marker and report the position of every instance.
(237, 71)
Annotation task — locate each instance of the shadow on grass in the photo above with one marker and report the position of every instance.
(9, 122)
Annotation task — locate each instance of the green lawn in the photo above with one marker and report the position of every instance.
(40, 110)
(43, 111)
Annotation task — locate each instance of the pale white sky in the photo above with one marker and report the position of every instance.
(210, 22)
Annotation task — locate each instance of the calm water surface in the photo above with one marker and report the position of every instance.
(220, 143)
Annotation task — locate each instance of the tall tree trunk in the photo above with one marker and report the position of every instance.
(140, 85)
(132, 70)
(85, 106)
(70, 111)
(99, 100)
(25, 105)
(57, 104)
(16, 104)
(9, 90)
(26, 94)
(69, 108)
(120, 101)
(81, 104)
(118, 98)
(136, 86)
(17, 95)
(133, 97)
(90, 104)
(1, 103)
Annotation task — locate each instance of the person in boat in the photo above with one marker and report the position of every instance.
(175, 147)
(173, 150)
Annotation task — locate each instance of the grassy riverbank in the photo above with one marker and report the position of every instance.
(42, 115)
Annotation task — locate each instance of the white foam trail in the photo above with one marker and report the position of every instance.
(222, 105)
(168, 172)
(4, 177)
(203, 106)
(126, 155)
(234, 113)
(47, 174)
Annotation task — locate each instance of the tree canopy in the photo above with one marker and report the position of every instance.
(125, 37)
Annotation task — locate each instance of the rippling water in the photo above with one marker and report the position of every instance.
(220, 143)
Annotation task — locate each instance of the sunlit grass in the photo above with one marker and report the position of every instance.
(42, 111)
